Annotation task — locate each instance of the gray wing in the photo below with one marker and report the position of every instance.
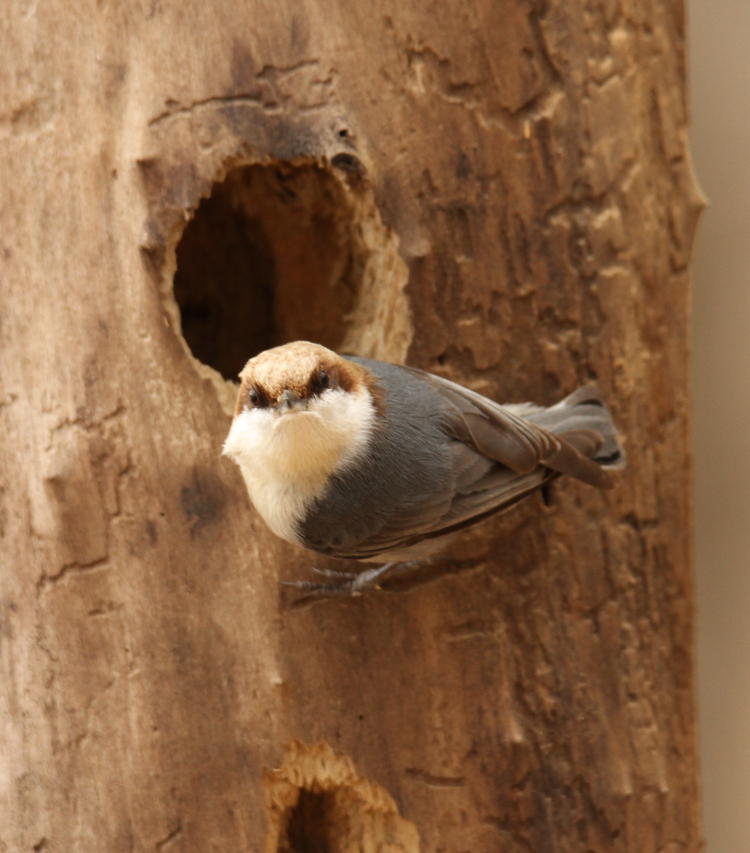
(498, 433)
(497, 457)
(496, 492)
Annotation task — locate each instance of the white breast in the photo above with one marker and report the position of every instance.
(286, 461)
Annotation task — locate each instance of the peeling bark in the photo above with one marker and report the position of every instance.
(498, 192)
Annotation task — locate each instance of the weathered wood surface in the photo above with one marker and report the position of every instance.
(524, 223)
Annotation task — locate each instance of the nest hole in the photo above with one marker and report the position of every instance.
(318, 803)
(312, 825)
(273, 254)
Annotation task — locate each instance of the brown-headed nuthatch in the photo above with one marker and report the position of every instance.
(366, 460)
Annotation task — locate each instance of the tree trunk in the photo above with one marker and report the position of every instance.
(498, 192)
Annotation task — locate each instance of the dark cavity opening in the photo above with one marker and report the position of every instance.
(311, 825)
(270, 256)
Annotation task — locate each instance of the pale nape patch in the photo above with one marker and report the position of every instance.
(286, 460)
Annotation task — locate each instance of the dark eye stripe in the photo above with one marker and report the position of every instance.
(319, 381)
(255, 397)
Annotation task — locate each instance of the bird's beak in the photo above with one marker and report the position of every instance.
(290, 401)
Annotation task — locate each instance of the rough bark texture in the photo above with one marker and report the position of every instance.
(497, 191)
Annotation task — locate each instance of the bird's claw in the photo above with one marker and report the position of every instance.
(350, 584)
(333, 573)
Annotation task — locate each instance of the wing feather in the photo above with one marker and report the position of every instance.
(498, 457)
(500, 434)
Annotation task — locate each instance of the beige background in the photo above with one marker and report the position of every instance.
(719, 51)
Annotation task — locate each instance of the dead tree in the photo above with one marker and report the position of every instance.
(498, 192)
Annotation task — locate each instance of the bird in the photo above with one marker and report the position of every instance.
(367, 460)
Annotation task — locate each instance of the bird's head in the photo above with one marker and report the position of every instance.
(302, 410)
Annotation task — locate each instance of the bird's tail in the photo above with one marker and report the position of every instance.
(582, 412)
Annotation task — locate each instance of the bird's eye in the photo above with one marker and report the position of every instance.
(324, 380)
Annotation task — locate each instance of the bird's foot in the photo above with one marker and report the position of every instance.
(347, 584)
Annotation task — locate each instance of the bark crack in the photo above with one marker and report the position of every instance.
(46, 580)
(168, 839)
(278, 87)
(212, 101)
(85, 422)
(434, 780)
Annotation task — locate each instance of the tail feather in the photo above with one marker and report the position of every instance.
(583, 411)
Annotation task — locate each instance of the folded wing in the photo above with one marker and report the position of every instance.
(499, 457)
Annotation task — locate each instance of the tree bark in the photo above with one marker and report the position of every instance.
(498, 192)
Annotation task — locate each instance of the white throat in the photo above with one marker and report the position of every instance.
(287, 460)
